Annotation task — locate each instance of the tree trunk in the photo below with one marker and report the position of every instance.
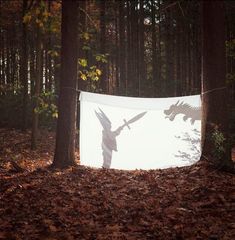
(1, 50)
(122, 52)
(82, 29)
(3, 65)
(183, 59)
(155, 80)
(169, 51)
(66, 126)
(32, 68)
(8, 73)
(159, 60)
(104, 80)
(214, 91)
(37, 89)
(24, 69)
(134, 45)
(178, 58)
(49, 48)
(129, 50)
(141, 61)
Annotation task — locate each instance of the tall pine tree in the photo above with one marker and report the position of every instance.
(66, 126)
(215, 95)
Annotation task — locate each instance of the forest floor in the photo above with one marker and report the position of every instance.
(196, 202)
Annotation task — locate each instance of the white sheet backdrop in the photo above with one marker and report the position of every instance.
(139, 133)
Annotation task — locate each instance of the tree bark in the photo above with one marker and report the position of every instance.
(129, 49)
(37, 88)
(214, 90)
(134, 45)
(142, 67)
(159, 60)
(66, 126)
(32, 67)
(122, 48)
(155, 79)
(178, 58)
(82, 29)
(24, 69)
(104, 81)
(169, 52)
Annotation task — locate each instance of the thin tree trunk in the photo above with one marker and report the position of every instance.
(134, 45)
(122, 52)
(183, 60)
(32, 69)
(3, 77)
(104, 80)
(1, 50)
(37, 88)
(190, 85)
(8, 74)
(178, 57)
(129, 50)
(169, 81)
(159, 60)
(48, 56)
(117, 59)
(82, 5)
(24, 69)
(142, 66)
(155, 79)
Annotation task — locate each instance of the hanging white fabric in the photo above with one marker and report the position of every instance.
(139, 133)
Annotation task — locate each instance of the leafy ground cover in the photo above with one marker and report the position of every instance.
(196, 202)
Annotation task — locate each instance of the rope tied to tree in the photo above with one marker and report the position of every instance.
(76, 90)
(213, 90)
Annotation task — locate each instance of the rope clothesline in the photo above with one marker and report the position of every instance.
(76, 90)
(203, 93)
(213, 90)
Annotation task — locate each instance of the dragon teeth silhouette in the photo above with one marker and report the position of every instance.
(189, 112)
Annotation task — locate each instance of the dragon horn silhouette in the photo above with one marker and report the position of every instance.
(177, 102)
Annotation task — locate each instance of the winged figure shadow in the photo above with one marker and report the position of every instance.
(109, 143)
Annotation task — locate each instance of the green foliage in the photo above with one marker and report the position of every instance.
(86, 48)
(101, 58)
(37, 14)
(82, 62)
(53, 53)
(230, 47)
(219, 142)
(47, 109)
(90, 73)
(11, 107)
(45, 20)
(92, 62)
(86, 36)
